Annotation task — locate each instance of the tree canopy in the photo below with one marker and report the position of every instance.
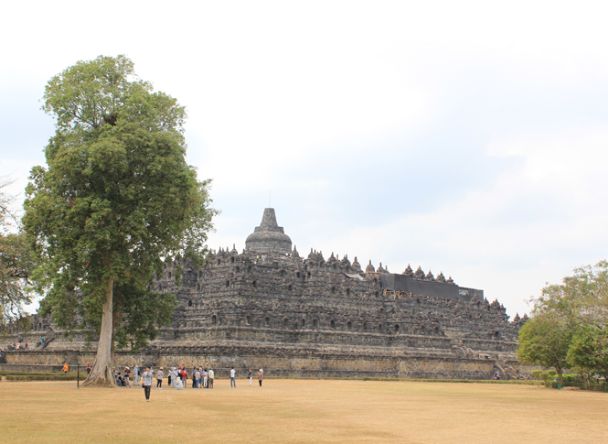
(544, 340)
(588, 351)
(116, 197)
(15, 265)
(569, 324)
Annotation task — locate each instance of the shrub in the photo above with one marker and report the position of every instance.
(25, 376)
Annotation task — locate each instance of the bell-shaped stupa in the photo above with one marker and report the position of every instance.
(268, 237)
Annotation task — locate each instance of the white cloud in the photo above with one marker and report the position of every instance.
(280, 94)
(533, 224)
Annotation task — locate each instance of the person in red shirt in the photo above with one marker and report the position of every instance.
(184, 375)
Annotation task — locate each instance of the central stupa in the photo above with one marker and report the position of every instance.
(268, 237)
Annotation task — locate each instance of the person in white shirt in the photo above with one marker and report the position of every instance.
(232, 378)
(178, 381)
(174, 377)
(146, 382)
(211, 376)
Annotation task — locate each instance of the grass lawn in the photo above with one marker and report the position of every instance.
(290, 411)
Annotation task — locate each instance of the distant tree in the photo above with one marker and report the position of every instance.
(15, 265)
(567, 322)
(544, 340)
(588, 350)
(581, 298)
(115, 198)
(15, 268)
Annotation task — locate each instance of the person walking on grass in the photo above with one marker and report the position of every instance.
(197, 377)
(205, 378)
(183, 374)
(146, 382)
(232, 378)
(160, 374)
(211, 377)
(176, 379)
(250, 376)
(261, 376)
(193, 377)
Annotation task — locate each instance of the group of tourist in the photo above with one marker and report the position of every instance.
(122, 378)
(19, 346)
(177, 377)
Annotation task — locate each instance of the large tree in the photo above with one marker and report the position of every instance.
(115, 197)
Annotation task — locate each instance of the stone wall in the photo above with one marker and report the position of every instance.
(284, 363)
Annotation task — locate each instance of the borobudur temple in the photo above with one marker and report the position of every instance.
(309, 316)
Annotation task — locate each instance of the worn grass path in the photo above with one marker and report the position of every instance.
(303, 411)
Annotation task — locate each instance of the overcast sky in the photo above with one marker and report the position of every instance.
(466, 137)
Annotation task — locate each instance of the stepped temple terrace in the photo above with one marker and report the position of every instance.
(306, 316)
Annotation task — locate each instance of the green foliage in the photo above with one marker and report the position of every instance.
(145, 311)
(39, 376)
(551, 379)
(115, 197)
(581, 298)
(15, 267)
(566, 380)
(569, 326)
(588, 351)
(544, 340)
(15, 264)
(571, 380)
(544, 375)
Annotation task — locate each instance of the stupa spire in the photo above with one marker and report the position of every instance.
(268, 237)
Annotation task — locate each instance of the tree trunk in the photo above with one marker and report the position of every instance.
(560, 376)
(101, 373)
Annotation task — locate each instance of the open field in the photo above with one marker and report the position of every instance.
(300, 411)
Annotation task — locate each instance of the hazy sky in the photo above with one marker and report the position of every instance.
(465, 137)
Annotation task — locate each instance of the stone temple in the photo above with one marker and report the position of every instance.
(313, 316)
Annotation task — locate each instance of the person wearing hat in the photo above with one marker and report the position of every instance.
(160, 374)
(127, 374)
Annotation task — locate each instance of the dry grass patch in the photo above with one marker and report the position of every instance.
(299, 411)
